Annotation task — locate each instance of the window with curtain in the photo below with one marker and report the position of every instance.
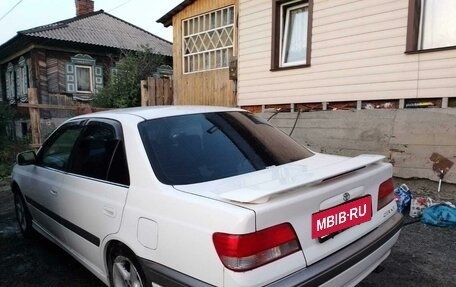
(83, 79)
(291, 32)
(431, 25)
(294, 35)
(438, 24)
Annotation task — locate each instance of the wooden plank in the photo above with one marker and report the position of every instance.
(52, 70)
(144, 94)
(62, 79)
(34, 117)
(46, 106)
(167, 92)
(152, 93)
(159, 96)
(42, 77)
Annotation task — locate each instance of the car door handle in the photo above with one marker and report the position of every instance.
(53, 192)
(109, 211)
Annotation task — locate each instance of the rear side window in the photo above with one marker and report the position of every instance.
(202, 147)
(99, 154)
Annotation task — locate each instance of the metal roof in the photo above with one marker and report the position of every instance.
(102, 29)
(167, 19)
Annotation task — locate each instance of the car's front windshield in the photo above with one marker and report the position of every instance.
(202, 147)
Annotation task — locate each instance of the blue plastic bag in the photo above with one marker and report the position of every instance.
(403, 198)
(439, 215)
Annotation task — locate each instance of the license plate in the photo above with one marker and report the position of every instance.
(341, 217)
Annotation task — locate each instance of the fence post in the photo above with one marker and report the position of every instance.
(152, 88)
(160, 96)
(167, 92)
(34, 117)
(144, 93)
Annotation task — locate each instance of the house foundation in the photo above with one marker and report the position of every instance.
(407, 137)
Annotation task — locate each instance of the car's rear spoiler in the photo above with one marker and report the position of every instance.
(260, 193)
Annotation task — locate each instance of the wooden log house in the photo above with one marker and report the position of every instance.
(69, 61)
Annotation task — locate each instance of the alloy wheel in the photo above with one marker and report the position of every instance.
(125, 273)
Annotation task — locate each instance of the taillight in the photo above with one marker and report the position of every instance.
(385, 193)
(249, 251)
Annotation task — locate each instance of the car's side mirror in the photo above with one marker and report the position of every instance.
(26, 157)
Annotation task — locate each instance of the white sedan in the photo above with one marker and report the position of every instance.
(204, 196)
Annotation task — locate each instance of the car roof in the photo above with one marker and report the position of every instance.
(154, 112)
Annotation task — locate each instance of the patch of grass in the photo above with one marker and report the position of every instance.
(8, 154)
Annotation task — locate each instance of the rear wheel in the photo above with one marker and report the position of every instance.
(125, 269)
(23, 215)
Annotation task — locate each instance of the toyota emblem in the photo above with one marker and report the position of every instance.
(346, 196)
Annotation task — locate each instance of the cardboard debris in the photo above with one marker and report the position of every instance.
(441, 164)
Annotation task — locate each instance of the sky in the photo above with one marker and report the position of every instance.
(32, 13)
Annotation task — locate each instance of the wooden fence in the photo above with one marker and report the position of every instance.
(34, 112)
(156, 92)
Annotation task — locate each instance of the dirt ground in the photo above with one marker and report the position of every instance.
(424, 255)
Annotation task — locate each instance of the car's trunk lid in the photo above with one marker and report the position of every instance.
(260, 186)
(295, 192)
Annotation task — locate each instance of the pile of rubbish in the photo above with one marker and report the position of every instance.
(441, 214)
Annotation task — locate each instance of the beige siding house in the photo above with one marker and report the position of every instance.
(353, 51)
(371, 61)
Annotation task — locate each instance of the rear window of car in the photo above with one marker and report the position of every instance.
(203, 147)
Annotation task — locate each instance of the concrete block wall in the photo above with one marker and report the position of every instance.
(407, 137)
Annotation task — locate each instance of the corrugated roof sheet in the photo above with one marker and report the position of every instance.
(167, 19)
(103, 29)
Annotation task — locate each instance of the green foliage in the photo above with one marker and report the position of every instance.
(8, 147)
(6, 117)
(123, 88)
(8, 157)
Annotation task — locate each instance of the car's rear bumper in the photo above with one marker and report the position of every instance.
(161, 275)
(350, 264)
(346, 267)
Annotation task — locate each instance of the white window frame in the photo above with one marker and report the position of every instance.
(11, 83)
(24, 80)
(90, 78)
(211, 59)
(284, 26)
(23, 86)
(422, 31)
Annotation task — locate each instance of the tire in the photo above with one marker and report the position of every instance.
(125, 270)
(24, 219)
